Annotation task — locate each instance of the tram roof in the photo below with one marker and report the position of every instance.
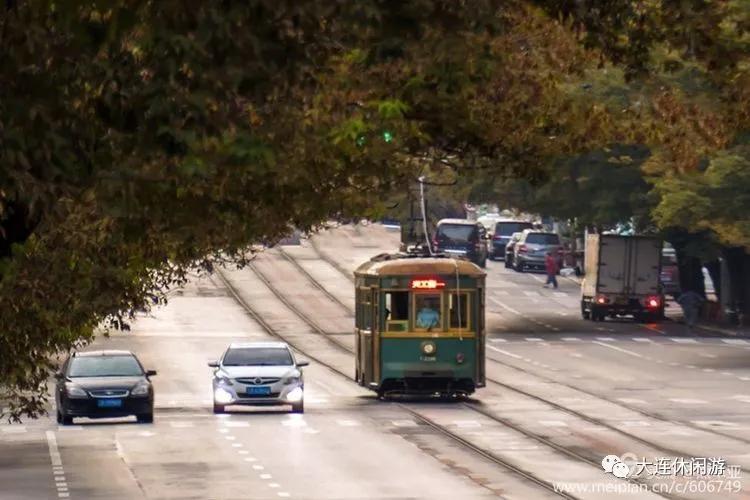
(408, 266)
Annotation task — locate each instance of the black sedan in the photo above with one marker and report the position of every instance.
(104, 384)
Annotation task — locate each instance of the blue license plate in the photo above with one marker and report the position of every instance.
(258, 391)
(109, 403)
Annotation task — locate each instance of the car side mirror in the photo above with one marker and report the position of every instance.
(300, 364)
(213, 364)
(150, 373)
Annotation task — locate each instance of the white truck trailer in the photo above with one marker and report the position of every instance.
(622, 278)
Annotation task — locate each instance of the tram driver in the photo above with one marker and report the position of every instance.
(428, 316)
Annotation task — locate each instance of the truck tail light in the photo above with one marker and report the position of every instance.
(653, 302)
(602, 299)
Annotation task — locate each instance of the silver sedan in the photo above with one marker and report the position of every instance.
(258, 373)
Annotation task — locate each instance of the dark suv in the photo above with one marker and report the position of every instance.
(104, 384)
(504, 229)
(462, 238)
(531, 250)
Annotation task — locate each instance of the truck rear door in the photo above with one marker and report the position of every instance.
(646, 262)
(612, 265)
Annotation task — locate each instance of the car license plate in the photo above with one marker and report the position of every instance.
(258, 391)
(109, 403)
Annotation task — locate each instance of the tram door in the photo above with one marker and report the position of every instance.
(369, 339)
(375, 336)
(481, 339)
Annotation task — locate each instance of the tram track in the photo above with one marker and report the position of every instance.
(570, 411)
(498, 419)
(441, 429)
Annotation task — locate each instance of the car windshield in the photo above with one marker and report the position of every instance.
(258, 356)
(508, 228)
(104, 366)
(543, 239)
(457, 232)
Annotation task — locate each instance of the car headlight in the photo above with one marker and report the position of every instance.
(140, 389)
(74, 391)
(429, 348)
(222, 380)
(222, 396)
(293, 379)
(295, 395)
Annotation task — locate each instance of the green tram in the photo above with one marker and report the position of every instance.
(420, 326)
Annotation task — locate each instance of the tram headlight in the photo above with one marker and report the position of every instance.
(429, 348)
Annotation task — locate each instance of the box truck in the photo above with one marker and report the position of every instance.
(622, 278)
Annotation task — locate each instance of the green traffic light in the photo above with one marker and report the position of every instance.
(361, 140)
(387, 136)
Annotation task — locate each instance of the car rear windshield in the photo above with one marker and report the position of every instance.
(258, 356)
(508, 228)
(457, 233)
(543, 239)
(668, 260)
(104, 366)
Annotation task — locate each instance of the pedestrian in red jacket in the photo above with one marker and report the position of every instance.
(550, 264)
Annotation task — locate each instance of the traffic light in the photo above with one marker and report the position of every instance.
(387, 136)
(361, 140)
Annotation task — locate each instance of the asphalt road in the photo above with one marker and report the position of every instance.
(562, 394)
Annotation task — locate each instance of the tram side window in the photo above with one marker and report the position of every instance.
(397, 311)
(458, 307)
(364, 310)
(428, 311)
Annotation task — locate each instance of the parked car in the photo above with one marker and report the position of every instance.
(258, 373)
(510, 249)
(531, 250)
(462, 238)
(502, 233)
(104, 384)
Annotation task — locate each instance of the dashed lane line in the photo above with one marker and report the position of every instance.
(61, 483)
(625, 351)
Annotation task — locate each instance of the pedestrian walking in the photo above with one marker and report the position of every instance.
(691, 303)
(550, 264)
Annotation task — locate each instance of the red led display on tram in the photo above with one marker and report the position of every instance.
(427, 284)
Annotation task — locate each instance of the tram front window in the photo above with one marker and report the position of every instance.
(397, 311)
(428, 311)
(459, 310)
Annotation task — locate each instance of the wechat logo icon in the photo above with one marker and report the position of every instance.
(613, 465)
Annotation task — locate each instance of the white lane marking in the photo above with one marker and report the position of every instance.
(741, 397)
(714, 423)
(325, 387)
(515, 356)
(706, 355)
(534, 339)
(229, 423)
(632, 401)
(266, 476)
(683, 340)
(69, 428)
(562, 313)
(498, 340)
(605, 339)
(258, 467)
(559, 294)
(688, 401)
(181, 425)
(709, 370)
(251, 459)
(553, 423)
(236, 445)
(745, 379)
(56, 460)
(274, 485)
(15, 429)
(625, 351)
(674, 364)
(507, 308)
(348, 423)
(243, 452)
(642, 339)
(230, 438)
(571, 339)
(294, 422)
(404, 423)
(735, 341)
(531, 293)
(283, 494)
(466, 423)
(634, 423)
